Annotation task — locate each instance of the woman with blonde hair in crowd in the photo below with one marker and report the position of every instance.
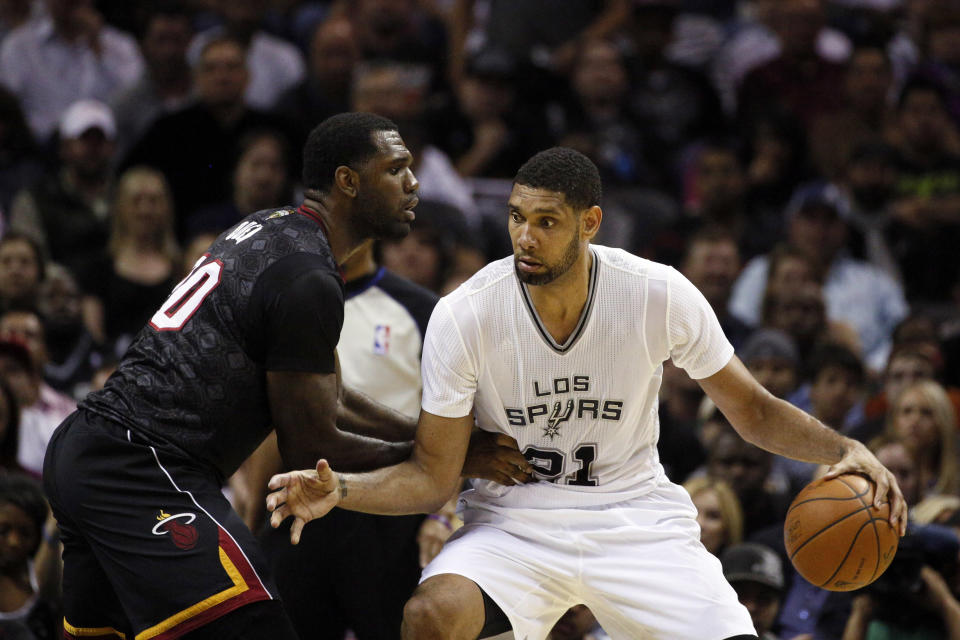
(719, 513)
(922, 417)
(137, 272)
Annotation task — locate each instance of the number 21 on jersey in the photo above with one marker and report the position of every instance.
(188, 295)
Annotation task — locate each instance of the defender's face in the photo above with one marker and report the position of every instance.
(545, 232)
(388, 190)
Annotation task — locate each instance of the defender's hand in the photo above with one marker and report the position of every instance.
(305, 495)
(859, 459)
(496, 456)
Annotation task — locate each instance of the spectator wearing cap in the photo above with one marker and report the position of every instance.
(71, 54)
(274, 64)
(756, 573)
(772, 358)
(41, 408)
(855, 292)
(67, 213)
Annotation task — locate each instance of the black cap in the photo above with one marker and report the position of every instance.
(751, 562)
(493, 63)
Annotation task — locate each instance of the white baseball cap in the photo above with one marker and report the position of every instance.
(83, 115)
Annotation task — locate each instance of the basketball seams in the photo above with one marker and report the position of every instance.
(873, 521)
(853, 543)
(828, 526)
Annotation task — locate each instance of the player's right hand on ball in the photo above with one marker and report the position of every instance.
(496, 456)
(305, 495)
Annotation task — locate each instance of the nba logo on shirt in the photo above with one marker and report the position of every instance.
(381, 339)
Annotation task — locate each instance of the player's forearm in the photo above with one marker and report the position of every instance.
(778, 426)
(398, 490)
(345, 450)
(361, 415)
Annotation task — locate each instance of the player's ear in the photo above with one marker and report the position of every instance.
(346, 180)
(590, 222)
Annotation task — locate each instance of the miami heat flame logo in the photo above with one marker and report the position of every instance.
(182, 533)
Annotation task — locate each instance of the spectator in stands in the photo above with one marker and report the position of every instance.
(596, 121)
(756, 573)
(27, 610)
(855, 292)
(20, 161)
(41, 408)
(712, 263)
(719, 513)
(334, 53)
(923, 418)
(399, 30)
(798, 79)
(261, 180)
(22, 269)
(680, 448)
(426, 255)
(746, 468)
(69, 55)
(927, 207)
(834, 396)
(9, 428)
(773, 359)
(869, 180)
(195, 148)
(941, 62)
(776, 161)
(138, 269)
(274, 64)
(673, 104)
(894, 453)
(863, 116)
(165, 84)
(67, 212)
(800, 313)
(74, 354)
(489, 133)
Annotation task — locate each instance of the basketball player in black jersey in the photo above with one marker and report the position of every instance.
(245, 343)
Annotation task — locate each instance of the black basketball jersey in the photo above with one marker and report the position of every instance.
(267, 296)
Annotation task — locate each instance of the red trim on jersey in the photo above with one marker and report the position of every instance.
(253, 592)
(304, 210)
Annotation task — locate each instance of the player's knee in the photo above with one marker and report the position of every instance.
(425, 617)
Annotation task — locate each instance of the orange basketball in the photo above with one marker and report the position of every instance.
(834, 536)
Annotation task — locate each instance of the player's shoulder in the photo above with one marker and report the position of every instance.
(489, 280)
(632, 265)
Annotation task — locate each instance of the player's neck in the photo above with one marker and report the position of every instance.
(341, 240)
(560, 303)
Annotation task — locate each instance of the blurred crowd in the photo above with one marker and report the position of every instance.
(797, 160)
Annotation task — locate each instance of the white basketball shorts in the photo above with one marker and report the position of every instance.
(638, 565)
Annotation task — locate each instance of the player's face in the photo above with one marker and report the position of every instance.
(387, 191)
(545, 232)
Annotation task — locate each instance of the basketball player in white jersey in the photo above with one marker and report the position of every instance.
(561, 347)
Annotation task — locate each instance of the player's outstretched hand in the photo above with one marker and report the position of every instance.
(496, 456)
(305, 495)
(859, 459)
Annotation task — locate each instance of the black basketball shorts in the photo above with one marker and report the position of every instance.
(152, 548)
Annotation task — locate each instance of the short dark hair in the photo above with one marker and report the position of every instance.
(565, 171)
(342, 140)
(829, 355)
(25, 493)
(18, 236)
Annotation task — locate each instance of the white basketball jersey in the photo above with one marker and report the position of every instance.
(583, 412)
